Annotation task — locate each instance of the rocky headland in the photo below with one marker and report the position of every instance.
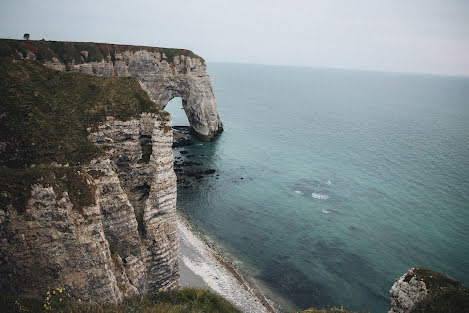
(88, 189)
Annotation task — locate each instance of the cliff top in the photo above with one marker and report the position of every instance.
(70, 52)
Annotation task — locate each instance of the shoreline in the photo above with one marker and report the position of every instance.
(201, 266)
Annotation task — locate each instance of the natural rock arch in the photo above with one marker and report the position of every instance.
(163, 77)
(186, 78)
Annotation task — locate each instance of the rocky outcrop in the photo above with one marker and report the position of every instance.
(406, 292)
(163, 73)
(124, 243)
(423, 290)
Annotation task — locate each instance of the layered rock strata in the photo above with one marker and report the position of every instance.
(125, 243)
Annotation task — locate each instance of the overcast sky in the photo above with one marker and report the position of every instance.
(425, 36)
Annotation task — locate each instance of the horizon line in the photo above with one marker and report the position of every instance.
(318, 67)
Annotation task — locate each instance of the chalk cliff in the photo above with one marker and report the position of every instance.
(87, 185)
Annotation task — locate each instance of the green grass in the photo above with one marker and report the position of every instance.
(44, 116)
(69, 52)
(187, 300)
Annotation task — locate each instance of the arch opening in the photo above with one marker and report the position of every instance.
(178, 114)
(181, 126)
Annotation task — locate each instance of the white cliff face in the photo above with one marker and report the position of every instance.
(124, 243)
(141, 160)
(406, 292)
(163, 79)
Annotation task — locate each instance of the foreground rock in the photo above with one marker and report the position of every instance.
(424, 291)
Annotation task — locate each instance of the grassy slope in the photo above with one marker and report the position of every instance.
(188, 300)
(44, 116)
(69, 52)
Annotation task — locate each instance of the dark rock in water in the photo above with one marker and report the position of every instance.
(183, 152)
(210, 171)
(194, 173)
(182, 136)
(190, 163)
(241, 178)
(190, 155)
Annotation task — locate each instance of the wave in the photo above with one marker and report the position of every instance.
(298, 192)
(326, 212)
(319, 196)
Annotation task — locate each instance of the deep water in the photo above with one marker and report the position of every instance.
(333, 183)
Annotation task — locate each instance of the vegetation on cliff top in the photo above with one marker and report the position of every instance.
(70, 52)
(186, 300)
(44, 116)
(445, 295)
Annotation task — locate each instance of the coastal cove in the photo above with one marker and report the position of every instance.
(330, 184)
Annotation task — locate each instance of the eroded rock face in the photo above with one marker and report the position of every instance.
(163, 79)
(124, 244)
(406, 292)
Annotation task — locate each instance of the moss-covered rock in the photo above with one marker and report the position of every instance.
(423, 290)
(445, 295)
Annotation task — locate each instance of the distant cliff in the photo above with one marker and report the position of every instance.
(87, 186)
(164, 73)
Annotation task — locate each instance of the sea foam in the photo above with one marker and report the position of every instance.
(319, 196)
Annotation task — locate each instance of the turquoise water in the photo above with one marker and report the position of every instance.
(349, 179)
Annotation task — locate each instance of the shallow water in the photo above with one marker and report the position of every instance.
(333, 183)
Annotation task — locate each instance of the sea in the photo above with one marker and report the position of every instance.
(333, 183)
